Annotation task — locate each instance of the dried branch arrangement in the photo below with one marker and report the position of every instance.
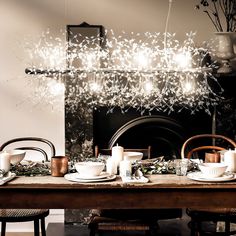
(222, 13)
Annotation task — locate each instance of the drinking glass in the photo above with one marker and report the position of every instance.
(181, 166)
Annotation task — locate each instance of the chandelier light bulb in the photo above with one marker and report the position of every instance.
(183, 60)
(148, 86)
(90, 60)
(56, 88)
(95, 87)
(142, 59)
(188, 87)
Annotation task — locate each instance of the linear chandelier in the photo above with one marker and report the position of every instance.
(136, 72)
(149, 71)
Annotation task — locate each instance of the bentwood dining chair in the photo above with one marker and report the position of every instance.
(199, 216)
(23, 215)
(129, 219)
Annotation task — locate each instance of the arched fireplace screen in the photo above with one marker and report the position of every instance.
(165, 133)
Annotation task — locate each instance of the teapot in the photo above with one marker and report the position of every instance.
(230, 160)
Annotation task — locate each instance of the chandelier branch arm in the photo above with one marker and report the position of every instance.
(34, 71)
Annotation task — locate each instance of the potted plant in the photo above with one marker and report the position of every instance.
(222, 14)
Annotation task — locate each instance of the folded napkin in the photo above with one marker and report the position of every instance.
(134, 180)
(7, 178)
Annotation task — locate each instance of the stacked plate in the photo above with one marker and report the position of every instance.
(76, 177)
(199, 176)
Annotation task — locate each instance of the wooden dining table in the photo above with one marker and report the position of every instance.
(162, 191)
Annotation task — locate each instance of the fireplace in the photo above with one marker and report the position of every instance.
(164, 132)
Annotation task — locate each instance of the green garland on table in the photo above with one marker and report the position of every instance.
(31, 169)
(149, 166)
(165, 167)
(159, 166)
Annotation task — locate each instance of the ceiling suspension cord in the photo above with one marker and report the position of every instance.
(167, 23)
(65, 11)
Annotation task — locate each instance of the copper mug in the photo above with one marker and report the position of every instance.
(212, 157)
(59, 166)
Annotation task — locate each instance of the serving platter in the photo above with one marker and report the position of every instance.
(74, 177)
(199, 176)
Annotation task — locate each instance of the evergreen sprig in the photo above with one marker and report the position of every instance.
(36, 169)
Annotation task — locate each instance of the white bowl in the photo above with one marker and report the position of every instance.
(89, 169)
(16, 156)
(212, 170)
(133, 156)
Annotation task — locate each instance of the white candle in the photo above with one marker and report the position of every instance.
(5, 161)
(230, 160)
(125, 168)
(117, 153)
(111, 166)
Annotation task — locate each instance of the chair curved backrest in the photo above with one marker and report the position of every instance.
(146, 151)
(209, 147)
(32, 147)
(22, 215)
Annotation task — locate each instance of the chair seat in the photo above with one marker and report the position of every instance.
(130, 219)
(22, 213)
(206, 212)
(140, 214)
(105, 223)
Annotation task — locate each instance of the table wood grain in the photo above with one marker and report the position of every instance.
(163, 191)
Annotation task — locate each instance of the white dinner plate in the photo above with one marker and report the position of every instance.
(199, 176)
(101, 176)
(74, 177)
